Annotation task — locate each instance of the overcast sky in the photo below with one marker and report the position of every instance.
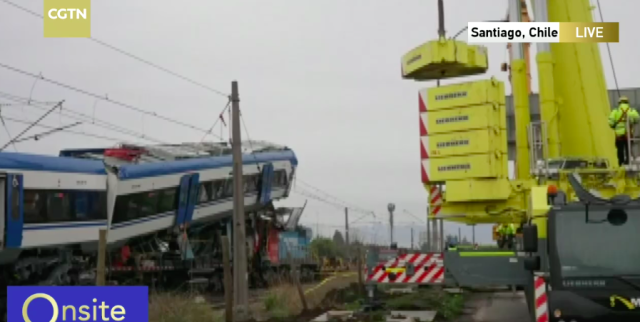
(322, 77)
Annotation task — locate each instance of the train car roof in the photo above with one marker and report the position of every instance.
(35, 162)
(136, 171)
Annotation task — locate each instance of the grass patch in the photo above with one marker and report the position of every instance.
(449, 306)
(282, 300)
(180, 308)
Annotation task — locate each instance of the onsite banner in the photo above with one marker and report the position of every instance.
(77, 303)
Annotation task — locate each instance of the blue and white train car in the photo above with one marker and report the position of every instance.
(49, 201)
(132, 191)
(154, 196)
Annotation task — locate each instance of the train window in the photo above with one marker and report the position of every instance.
(218, 189)
(148, 203)
(245, 184)
(34, 210)
(167, 200)
(279, 178)
(49, 206)
(81, 204)
(58, 206)
(134, 203)
(121, 209)
(89, 205)
(97, 205)
(205, 192)
(251, 183)
(228, 191)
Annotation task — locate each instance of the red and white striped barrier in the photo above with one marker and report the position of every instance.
(542, 308)
(428, 269)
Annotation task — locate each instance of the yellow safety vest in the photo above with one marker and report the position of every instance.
(618, 119)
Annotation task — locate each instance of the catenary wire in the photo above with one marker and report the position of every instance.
(87, 119)
(130, 55)
(81, 133)
(104, 98)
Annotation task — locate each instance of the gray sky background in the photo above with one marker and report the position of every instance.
(322, 77)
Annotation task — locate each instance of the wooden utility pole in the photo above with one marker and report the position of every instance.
(346, 229)
(228, 283)
(359, 268)
(102, 258)
(295, 278)
(240, 287)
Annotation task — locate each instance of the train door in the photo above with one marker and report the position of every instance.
(194, 193)
(183, 199)
(267, 179)
(13, 210)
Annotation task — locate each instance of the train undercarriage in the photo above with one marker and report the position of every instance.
(163, 262)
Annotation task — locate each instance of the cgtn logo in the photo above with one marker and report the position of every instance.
(62, 13)
(67, 18)
(77, 303)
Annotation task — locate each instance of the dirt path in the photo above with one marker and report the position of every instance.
(495, 307)
(314, 292)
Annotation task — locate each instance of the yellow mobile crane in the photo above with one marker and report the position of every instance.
(580, 259)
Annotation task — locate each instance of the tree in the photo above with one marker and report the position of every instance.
(324, 247)
(338, 239)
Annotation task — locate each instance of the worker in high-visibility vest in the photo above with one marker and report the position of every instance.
(618, 122)
(507, 234)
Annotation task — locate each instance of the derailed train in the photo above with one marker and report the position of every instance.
(164, 208)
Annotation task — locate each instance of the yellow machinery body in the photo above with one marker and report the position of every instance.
(463, 133)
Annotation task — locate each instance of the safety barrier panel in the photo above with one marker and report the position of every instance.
(416, 268)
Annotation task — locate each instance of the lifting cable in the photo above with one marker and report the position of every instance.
(613, 68)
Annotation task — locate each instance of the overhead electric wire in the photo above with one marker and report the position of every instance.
(210, 131)
(308, 194)
(349, 205)
(412, 215)
(11, 141)
(130, 55)
(91, 135)
(38, 136)
(6, 129)
(91, 120)
(105, 98)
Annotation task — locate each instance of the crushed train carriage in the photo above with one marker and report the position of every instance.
(164, 206)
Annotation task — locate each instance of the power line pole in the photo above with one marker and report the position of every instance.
(473, 234)
(429, 245)
(442, 247)
(346, 228)
(391, 207)
(436, 235)
(459, 235)
(411, 238)
(240, 288)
